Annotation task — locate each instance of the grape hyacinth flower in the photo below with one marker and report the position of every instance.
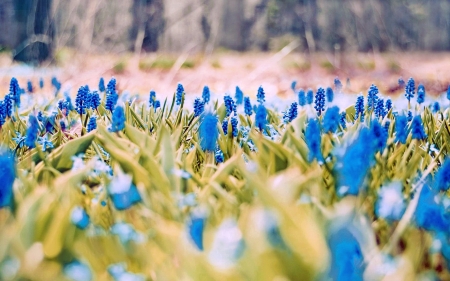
(229, 105)
(199, 107)
(101, 85)
(179, 94)
(56, 84)
(401, 82)
(320, 101)
(430, 213)
(208, 133)
(123, 192)
(157, 104)
(293, 85)
(436, 107)
(206, 94)
(225, 126)
(92, 124)
(329, 94)
(442, 179)
(337, 85)
(401, 132)
(79, 217)
(248, 106)
(219, 156)
(29, 86)
(420, 94)
(388, 105)
(234, 126)
(261, 117)
(379, 109)
(343, 120)
(8, 105)
(195, 226)
(372, 97)
(331, 120)
(7, 175)
(387, 126)
(2, 113)
(118, 119)
(410, 89)
(301, 97)
(417, 130)
(41, 83)
(239, 96)
(291, 113)
(378, 136)
(14, 91)
(152, 99)
(448, 92)
(62, 124)
(81, 99)
(45, 143)
(309, 96)
(32, 131)
(261, 96)
(111, 95)
(313, 140)
(94, 100)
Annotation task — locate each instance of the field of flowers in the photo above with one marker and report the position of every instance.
(109, 186)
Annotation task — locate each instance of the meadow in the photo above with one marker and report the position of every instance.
(99, 184)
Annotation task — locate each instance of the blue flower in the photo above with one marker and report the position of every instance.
(372, 97)
(77, 271)
(436, 107)
(239, 96)
(331, 120)
(157, 104)
(229, 105)
(225, 126)
(313, 140)
(219, 156)
(417, 129)
(45, 143)
(293, 85)
(378, 136)
(41, 83)
(118, 119)
(291, 113)
(301, 97)
(7, 176)
(442, 180)
(208, 133)
(92, 125)
(199, 107)
(19, 139)
(330, 94)
(14, 91)
(410, 89)
(152, 99)
(248, 106)
(320, 101)
(388, 105)
(111, 95)
(80, 101)
(379, 109)
(8, 105)
(32, 132)
(347, 260)
(101, 85)
(359, 108)
(79, 217)
(94, 100)
(420, 94)
(56, 84)
(343, 120)
(386, 127)
(337, 85)
(448, 92)
(195, 226)
(2, 113)
(261, 117)
(234, 126)
(123, 192)
(401, 82)
(69, 104)
(179, 94)
(430, 212)
(401, 132)
(62, 124)
(390, 204)
(206, 94)
(29, 86)
(309, 96)
(260, 96)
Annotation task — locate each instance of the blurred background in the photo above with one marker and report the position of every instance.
(157, 43)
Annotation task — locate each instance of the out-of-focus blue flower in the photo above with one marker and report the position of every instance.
(401, 82)
(390, 204)
(234, 126)
(14, 91)
(410, 116)
(195, 226)
(442, 180)
(347, 260)
(320, 101)
(353, 164)
(436, 107)
(81, 99)
(77, 271)
(401, 132)
(301, 97)
(378, 136)
(101, 85)
(45, 143)
(309, 96)
(206, 94)
(228, 245)
(179, 94)
(261, 117)
(430, 213)
(410, 89)
(49, 123)
(68, 102)
(388, 105)
(372, 97)
(32, 131)
(152, 99)
(331, 120)
(293, 85)
(111, 95)
(7, 176)
(56, 84)
(126, 233)
(19, 139)
(41, 83)
(343, 120)
(79, 217)
(417, 129)
(119, 273)
(208, 133)
(313, 140)
(448, 92)
(359, 108)
(157, 104)
(247, 106)
(92, 124)
(239, 96)
(379, 109)
(330, 94)
(229, 105)
(199, 107)
(123, 192)
(225, 126)
(291, 113)
(261, 96)
(420, 94)
(118, 119)
(62, 124)
(337, 85)
(29, 86)
(219, 156)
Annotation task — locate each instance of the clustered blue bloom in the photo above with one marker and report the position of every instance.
(359, 108)
(196, 225)
(420, 94)
(219, 156)
(8, 105)
(309, 96)
(410, 89)
(448, 92)
(379, 109)
(301, 97)
(436, 107)
(442, 181)
(261, 96)
(7, 175)
(234, 126)
(401, 132)
(93, 100)
(225, 126)
(313, 140)
(417, 129)
(41, 83)
(14, 91)
(81, 99)
(92, 125)
(343, 120)
(30, 86)
(337, 85)
(320, 101)
(372, 97)
(199, 107)
(261, 117)
(179, 94)
(388, 105)
(293, 85)
(32, 131)
(208, 133)
(118, 119)
(152, 99)
(401, 82)
(45, 143)
(239, 96)
(291, 113)
(430, 211)
(56, 84)
(206, 94)
(111, 95)
(229, 105)
(2, 113)
(378, 136)
(101, 85)
(331, 120)
(330, 94)
(248, 106)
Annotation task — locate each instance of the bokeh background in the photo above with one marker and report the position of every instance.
(154, 44)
